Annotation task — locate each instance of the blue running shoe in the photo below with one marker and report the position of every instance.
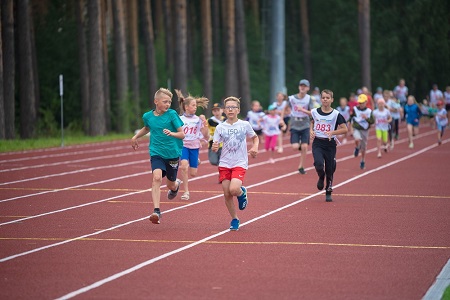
(234, 225)
(242, 199)
(172, 194)
(356, 152)
(362, 165)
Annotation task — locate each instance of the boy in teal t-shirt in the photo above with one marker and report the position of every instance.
(166, 143)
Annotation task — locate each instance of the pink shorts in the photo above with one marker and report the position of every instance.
(228, 174)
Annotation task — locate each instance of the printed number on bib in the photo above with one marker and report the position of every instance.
(323, 127)
(190, 130)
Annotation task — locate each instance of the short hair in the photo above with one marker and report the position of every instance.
(163, 91)
(326, 91)
(232, 98)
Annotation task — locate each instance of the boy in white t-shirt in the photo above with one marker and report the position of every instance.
(441, 120)
(233, 163)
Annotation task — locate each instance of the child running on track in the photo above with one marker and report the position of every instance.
(254, 116)
(361, 120)
(412, 116)
(270, 125)
(195, 129)
(215, 120)
(234, 159)
(441, 120)
(326, 123)
(344, 110)
(382, 118)
(301, 105)
(166, 143)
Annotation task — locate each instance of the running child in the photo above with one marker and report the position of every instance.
(396, 111)
(326, 123)
(282, 105)
(361, 120)
(234, 159)
(441, 120)
(412, 116)
(215, 120)
(344, 110)
(270, 125)
(166, 143)
(301, 105)
(254, 116)
(382, 118)
(195, 129)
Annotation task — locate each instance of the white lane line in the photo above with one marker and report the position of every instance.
(66, 162)
(181, 249)
(56, 155)
(77, 171)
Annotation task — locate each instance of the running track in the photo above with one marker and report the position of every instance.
(74, 223)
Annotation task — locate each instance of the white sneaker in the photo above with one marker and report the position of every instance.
(271, 160)
(280, 150)
(411, 145)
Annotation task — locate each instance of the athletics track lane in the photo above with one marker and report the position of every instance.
(311, 250)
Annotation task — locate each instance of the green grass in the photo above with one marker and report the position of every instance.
(446, 295)
(48, 142)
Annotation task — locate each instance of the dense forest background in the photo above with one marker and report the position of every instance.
(114, 54)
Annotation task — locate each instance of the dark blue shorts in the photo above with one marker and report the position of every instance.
(191, 155)
(300, 136)
(169, 167)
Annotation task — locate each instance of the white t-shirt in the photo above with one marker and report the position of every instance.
(234, 136)
(381, 119)
(345, 112)
(271, 125)
(441, 117)
(435, 95)
(392, 104)
(253, 117)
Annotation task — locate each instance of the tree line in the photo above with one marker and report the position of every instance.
(114, 54)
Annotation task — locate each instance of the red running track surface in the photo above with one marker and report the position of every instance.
(74, 223)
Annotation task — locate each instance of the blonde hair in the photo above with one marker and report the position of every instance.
(232, 98)
(183, 101)
(163, 91)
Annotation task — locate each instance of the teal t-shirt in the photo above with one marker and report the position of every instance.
(160, 144)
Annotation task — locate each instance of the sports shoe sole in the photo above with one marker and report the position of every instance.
(155, 218)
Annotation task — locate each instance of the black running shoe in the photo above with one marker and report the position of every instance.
(320, 183)
(328, 196)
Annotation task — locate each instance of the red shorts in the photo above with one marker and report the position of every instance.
(228, 174)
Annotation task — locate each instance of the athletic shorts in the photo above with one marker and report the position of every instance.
(190, 155)
(382, 135)
(258, 131)
(300, 136)
(362, 136)
(169, 167)
(228, 174)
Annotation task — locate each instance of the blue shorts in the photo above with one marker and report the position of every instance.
(190, 155)
(169, 167)
(413, 122)
(300, 136)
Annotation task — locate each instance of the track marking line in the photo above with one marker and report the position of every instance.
(237, 243)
